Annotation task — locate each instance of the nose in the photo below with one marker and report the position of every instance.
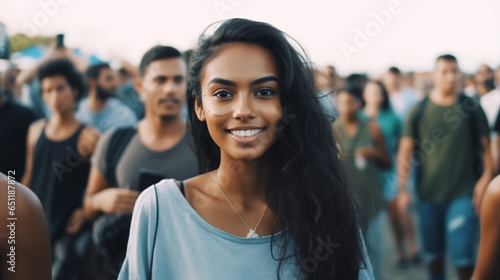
(170, 87)
(244, 107)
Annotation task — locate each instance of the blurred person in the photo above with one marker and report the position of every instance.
(402, 98)
(32, 98)
(160, 142)
(9, 82)
(357, 82)
(409, 80)
(123, 77)
(15, 120)
(363, 151)
(324, 92)
(496, 77)
(4, 42)
(32, 238)
(101, 109)
(125, 91)
(58, 154)
(482, 82)
(378, 109)
(489, 248)
(490, 102)
(446, 131)
(336, 81)
(250, 215)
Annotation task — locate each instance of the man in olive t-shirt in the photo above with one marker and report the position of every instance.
(443, 144)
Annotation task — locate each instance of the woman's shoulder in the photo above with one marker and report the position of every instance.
(493, 192)
(163, 186)
(160, 193)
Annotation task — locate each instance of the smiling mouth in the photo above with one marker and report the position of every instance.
(246, 132)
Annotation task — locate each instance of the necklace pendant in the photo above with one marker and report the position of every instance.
(252, 233)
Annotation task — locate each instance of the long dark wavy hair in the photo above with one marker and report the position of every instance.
(307, 188)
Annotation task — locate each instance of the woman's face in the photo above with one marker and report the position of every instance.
(373, 95)
(240, 91)
(347, 105)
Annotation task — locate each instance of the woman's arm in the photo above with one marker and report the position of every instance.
(489, 247)
(378, 153)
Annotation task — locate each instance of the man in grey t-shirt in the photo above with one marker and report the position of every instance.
(162, 141)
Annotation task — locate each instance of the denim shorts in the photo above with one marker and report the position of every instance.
(453, 225)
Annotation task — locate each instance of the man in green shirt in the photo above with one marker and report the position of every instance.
(443, 133)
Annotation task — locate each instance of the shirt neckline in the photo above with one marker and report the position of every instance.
(170, 183)
(160, 153)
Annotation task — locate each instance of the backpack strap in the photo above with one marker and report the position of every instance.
(150, 276)
(418, 117)
(182, 189)
(117, 144)
(465, 103)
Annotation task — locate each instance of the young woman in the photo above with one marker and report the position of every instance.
(489, 247)
(378, 109)
(363, 151)
(272, 202)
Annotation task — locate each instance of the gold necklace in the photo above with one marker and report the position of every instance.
(251, 231)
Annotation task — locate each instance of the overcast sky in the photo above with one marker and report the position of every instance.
(353, 35)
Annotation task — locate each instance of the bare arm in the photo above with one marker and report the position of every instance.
(134, 72)
(489, 247)
(404, 164)
(404, 155)
(34, 132)
(101, 197)
(487, 176)
(53, 52)
(32, 241)
(382, 154)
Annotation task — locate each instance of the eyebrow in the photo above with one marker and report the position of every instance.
(256, 82)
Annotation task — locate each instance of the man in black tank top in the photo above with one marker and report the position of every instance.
(58, 153)
(128, 160)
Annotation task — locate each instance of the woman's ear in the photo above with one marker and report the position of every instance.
(199, 110)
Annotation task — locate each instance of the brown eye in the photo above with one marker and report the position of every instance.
(265, 92)
(222, 93)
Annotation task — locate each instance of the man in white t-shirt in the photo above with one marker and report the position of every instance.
(402, 98)
(491, 106)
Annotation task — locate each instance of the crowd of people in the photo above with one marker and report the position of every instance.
(238, 157)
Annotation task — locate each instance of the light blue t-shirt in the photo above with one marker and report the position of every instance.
(114, 114)
(188, 247)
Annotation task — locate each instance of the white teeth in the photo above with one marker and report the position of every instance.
(245, 133)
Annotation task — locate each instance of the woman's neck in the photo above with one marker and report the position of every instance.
(349, 120)
(244, 180)
(372, 111)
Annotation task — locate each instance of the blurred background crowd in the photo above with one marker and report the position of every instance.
(90, 164)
